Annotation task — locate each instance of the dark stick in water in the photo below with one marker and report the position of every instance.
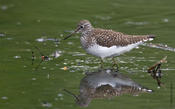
(156, 72)
(171, 94)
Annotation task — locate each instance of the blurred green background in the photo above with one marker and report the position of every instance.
(24, 21)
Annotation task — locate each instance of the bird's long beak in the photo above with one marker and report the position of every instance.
(76, 97)
(71, 34)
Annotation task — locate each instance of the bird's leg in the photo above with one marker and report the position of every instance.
(115, 64)
(102, 64)
(33, 57)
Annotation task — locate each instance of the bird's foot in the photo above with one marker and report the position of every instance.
(101, 65)
(115, 65)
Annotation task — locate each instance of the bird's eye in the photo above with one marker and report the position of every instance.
(81, 26)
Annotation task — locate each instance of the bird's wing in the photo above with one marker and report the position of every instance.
(105, 91)
(108, 38)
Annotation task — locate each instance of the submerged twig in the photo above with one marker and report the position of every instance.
(43, 57)
(155, 70)
(171, 94)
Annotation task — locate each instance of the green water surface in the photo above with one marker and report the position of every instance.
(24, 21)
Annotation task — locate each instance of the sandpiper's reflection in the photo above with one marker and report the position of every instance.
(105, 84)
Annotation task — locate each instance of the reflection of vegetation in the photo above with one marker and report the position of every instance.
(24, 21)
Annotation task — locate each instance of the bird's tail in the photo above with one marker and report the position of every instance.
(140, 38)
(151, 37)
(143, 89)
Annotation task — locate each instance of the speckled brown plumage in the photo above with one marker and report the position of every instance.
(108, 38)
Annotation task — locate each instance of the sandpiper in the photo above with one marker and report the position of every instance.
(107, 43)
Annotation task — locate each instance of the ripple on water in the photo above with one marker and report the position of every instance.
(27, 43)
(56, 54)
(4, 7)
(77, 53)
(160, 46)
(4, 98)
(2, 35)
(165, 20)
(136, 23)
(167, 69)
(33, 79)
(46, 104)
(44, 68)
(60, 95)
(17, 57)
(103, 17)
(43, 39)
(70, 43)
(40, 40)
(9, 38)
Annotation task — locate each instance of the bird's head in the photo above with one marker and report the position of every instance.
(82, 27)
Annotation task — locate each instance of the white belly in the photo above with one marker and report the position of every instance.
(103, 52)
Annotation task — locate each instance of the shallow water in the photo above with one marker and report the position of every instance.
(25, 24)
